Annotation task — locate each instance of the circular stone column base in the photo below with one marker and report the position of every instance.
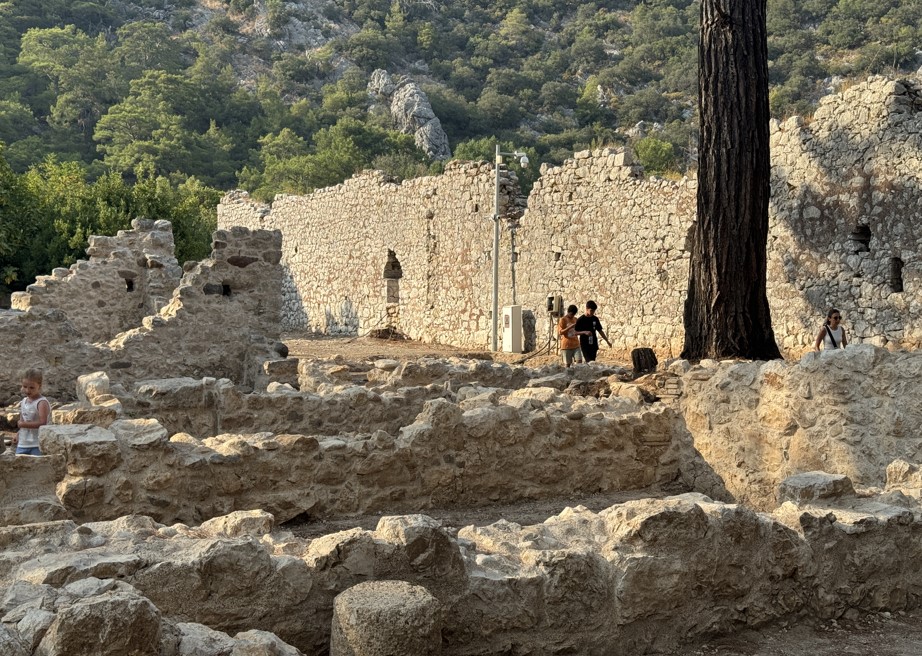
(386, 618)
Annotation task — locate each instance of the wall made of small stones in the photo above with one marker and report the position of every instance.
(593, 229)
(126, 278)
(851, 412)
(445, 457)
(596, 230)
(222, 321)
(336, 244)
(856, 163)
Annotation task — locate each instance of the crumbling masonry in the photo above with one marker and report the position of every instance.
(844, 231)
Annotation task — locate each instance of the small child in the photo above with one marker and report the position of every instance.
(34, 412)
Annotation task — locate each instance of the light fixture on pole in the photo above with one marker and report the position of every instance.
(523, 161)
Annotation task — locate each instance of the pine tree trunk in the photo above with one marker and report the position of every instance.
(726, 311)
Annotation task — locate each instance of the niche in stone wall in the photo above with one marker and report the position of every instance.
(128, 277)
(861, 238)
(393, 272)
(896, 274)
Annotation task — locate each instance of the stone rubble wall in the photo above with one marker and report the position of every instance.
(222, 320)
(524, 446)
(851, 412)
(208, 407)
(126, 278)
(857, 163)
(336, 242)
(593, 229)
(639, 577)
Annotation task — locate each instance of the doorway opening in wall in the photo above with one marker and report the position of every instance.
(388, 326)
(129, 284)
(393, 272)
(896, 274)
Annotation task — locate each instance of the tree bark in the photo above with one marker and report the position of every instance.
(726, 311)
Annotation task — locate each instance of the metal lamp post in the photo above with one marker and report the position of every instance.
(523, 161)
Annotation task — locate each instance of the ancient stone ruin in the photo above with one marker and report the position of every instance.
(844, 232)
(191, 468)
(133, 313)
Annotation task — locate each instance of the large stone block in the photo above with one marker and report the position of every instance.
(111, 624)
(91, 386)
(386, 618)
(83, 413)
(87, 450)
(27, 490)
(815, 485)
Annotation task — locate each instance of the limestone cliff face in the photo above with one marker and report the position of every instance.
(412, 113)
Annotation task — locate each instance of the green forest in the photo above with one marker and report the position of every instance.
(113, 109)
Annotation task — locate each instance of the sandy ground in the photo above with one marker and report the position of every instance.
(306, 346)
(873, 634)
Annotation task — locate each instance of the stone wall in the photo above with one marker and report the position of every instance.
(637, 578)
(340, 242)
(222, 320)
(850, 412)
(127, 277)
(451, 455)
(844, 220)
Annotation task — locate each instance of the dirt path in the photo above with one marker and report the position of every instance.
(873, 634)
(357, 348)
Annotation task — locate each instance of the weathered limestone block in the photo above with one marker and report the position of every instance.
(198, 640)
(902, 475)
(86, 449)
(140, 434)
(62, 568)
(92, 386)
(11, 644)
(847, 413)
(27, 490)
(114, 623)
(262, 643)
(863, 555)
(282, 371)
(433, 555)
(386, 618)
(811, 486)
(33, 626)
(83, 413)
(240, 523)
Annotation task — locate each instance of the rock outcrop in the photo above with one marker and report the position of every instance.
(411, 112)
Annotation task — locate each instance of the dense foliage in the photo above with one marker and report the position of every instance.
(49, 212)
(165, 102)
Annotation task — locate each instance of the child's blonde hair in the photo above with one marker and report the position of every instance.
(33, 375)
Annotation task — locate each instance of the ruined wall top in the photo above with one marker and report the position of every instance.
(127, 277)
(844, 221)
(221, 319)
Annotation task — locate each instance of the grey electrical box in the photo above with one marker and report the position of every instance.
(555, 305)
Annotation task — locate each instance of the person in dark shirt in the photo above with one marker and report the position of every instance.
(586, 327)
